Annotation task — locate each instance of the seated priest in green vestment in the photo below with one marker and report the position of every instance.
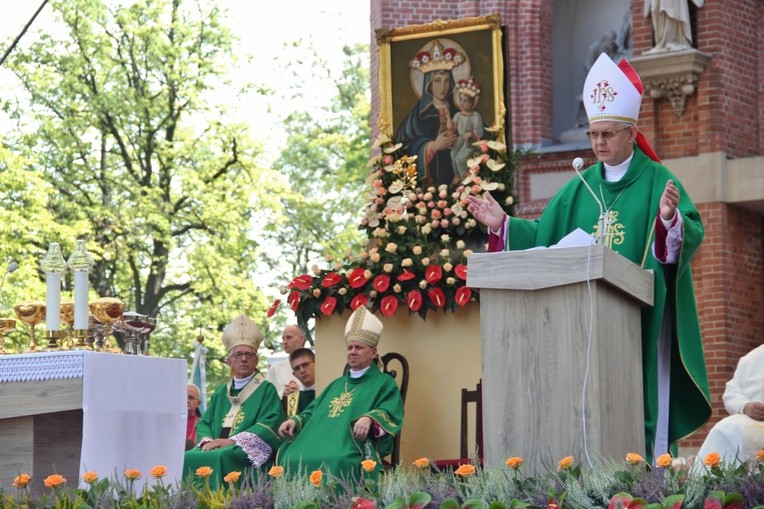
(238, 431)
(303, 363)
(354, 419)
(634, 205)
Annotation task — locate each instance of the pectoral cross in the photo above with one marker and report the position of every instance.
(339, 404)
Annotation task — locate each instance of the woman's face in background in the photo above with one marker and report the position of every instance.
(440, 85)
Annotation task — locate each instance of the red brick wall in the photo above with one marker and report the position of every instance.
(725, 115)
(729, 283)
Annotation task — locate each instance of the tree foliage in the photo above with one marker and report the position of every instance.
(120, 129)
(325, 160)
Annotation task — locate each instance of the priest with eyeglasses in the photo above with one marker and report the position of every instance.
(238, 431)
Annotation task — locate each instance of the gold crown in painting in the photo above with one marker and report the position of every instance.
(468, 87)
(437, 58)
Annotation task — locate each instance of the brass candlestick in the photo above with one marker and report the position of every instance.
(31, 313)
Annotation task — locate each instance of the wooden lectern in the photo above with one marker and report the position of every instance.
(562, 353)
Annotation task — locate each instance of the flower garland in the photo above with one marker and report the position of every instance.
(419, 238)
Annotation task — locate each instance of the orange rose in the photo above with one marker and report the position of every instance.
(276, 471)
(133, 474)
(233, 477)
(90, 477)
(315, 477)
(514, 462)
(53, 481)
(565, 463)
(465, 470)
(664, 460)
(368, 465)
(422, 463)
(204, 472)
(712, 459)
(760, 454)
(158, 471)
(21, 481)
(634, 459)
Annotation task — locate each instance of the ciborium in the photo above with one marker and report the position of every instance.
(143, 336)
(31, 313)
(6, 325)
(107, 310)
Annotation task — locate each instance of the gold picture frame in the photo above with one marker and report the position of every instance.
(480, 37)
(467, 51)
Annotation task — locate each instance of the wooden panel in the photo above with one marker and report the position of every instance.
(549, 268)
(536, 352)
(40, 397)
(16, 447)
(57, 446)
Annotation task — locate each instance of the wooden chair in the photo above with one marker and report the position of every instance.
(468, 397)
(389, 360)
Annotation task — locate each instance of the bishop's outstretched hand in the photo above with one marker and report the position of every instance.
(487, 211)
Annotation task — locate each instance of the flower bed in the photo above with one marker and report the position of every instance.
(628, 483)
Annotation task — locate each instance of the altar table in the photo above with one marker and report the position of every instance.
(71, 412)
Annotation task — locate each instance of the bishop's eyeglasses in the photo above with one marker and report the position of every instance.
(607, 135)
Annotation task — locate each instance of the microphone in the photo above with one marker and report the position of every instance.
(11, 268)
(578, 163)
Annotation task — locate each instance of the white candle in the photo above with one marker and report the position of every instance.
(53, 301)
(81, 309)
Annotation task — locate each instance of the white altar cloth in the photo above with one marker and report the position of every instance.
(133, 408)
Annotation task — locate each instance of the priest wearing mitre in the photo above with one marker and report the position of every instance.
(238, 430)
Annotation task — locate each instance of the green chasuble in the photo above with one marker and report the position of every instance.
(634, 202)
(324, 432)
(254, 429)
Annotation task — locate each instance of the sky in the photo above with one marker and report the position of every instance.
(262, 27)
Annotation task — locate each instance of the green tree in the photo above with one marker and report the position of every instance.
(120, 122)
(325, 161)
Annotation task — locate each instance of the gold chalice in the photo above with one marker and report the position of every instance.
(31, 313)
(107, 310)
(6, 325)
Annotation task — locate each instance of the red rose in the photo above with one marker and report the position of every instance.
(301, 282)
(328, 305)
(389, 305)
(433, 273)
(463, 295)
(331, 279)
(461, 271)
(414, 300)
(294, 300)
(406, 275)
(358, 301)
(273, 308)
(381, 282)
(357, 278)
(437, 297)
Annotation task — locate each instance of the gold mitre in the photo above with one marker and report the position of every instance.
(437, 58)
(363, 326)
(242, 331)
(468, 87)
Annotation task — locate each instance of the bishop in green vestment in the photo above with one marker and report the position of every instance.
(648, 218)
(238, 430)
(354, 419)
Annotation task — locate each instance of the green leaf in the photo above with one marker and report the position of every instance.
(449, 504)
(472, 503)
(419, 499)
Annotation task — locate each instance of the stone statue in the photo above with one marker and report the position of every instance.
(671, 24)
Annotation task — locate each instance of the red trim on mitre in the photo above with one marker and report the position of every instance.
(631, 73)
